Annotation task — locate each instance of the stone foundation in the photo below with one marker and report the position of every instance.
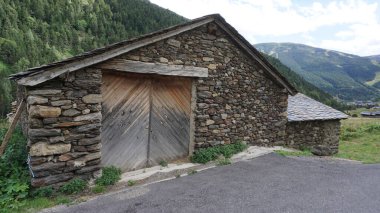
(322, 137)
(63, 127)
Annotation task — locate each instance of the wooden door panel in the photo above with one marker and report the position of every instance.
(170, 119)
(125, 121)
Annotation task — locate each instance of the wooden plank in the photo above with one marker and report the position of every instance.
(12, 127)
(125, 121)
(170, 121)
(153, 68)
(95, 59)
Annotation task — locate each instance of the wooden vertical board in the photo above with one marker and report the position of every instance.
(170, 119)
(125, 121)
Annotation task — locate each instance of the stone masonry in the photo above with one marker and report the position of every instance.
(321, 137)
(63, 127)
(237, 102)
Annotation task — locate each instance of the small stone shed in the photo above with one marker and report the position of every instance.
(313, 125)
(157, 97)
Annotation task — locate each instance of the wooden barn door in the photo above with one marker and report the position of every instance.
(145, 119)
(125, 125)
(170, 119)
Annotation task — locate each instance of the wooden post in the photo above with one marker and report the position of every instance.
(12, 127)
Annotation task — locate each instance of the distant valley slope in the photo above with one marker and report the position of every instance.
(346, 76)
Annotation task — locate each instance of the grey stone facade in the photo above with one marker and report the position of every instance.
(237, 102)
(321, 137)
(63, 126)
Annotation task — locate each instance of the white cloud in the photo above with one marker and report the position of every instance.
(279, 18)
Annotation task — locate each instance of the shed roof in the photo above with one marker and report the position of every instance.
(303, 108)
(37, 75)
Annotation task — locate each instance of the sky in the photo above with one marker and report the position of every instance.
(350, 26)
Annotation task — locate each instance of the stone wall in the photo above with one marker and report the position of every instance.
(322, 137)
(63, 125)
(237, 102)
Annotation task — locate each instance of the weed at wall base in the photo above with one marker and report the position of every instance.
(212, 153)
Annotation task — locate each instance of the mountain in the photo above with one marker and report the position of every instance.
(36, 32)
(304, 86)
(342, 75)
(375, 59)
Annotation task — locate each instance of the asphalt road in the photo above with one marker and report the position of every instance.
(270, 183)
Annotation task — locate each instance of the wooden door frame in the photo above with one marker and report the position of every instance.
(193, 107)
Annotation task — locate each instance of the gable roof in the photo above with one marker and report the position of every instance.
(37, 75)
(303, 108)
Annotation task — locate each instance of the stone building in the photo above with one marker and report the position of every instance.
(156, 97)
(312, 125)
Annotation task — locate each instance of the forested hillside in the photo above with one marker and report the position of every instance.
(339, 74)
(36, 32)
(303, 86)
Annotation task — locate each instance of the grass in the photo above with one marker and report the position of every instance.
(32, 205)
(360, 140)
(131, 182)
(375, 80)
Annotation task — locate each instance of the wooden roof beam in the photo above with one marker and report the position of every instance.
(153, 68)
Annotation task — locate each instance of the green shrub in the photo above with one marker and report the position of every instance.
(74, 186)
(191, 172)
(46, 191)
(212, 153)
(223, 162)
(163, 163)
(98, 189)
(14, 175)
(131, 182)
(110, 175)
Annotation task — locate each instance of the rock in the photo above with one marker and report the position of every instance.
(178, 62)
(134, 57)
(49, 120)
(89, 117)
(322, 150)
(212, 66)
(89, 141)
(45, 92)
(44, 149)
(224, 116)
(209, 122)
(88, 169)
(174, 42)
(38, 111)
(163, 60)
(71, 112)
(94, 147)
(207, 59)
(87, 127)
(56, 139)
(68, 124)
(92, 99)
(36, 100)
(61, 103)
(83, 160)
(51, 179)
(43, 132)
(35, 123)
(86, 111)
(204, 94)
(71, 155)
(48, 166)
